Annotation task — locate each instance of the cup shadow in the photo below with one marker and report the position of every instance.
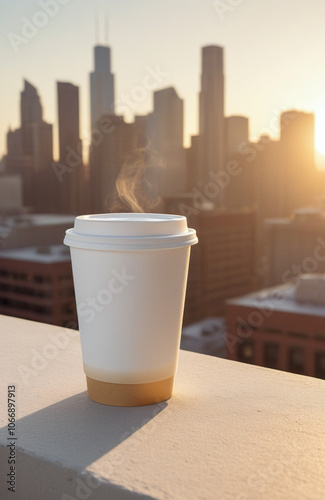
(76, 431)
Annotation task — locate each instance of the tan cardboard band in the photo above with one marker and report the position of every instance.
(130, 394)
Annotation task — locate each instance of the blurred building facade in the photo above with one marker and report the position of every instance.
(280, 327)
(117, 142)
(240, 190)
(192, 155)
(36, 284)
(297, 141)
(277, 176)
(223, 264)
(236, 132)
(165, 130)
(70, 184)
(11, 194)
(211, 112)
(295, 245)
(30, 152)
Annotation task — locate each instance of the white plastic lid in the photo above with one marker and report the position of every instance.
(130, 231)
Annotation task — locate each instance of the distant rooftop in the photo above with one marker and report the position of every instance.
(35, 220)
(206, 336)
(303, 296)
(27, 230)
(48, 254)
(204, 328)
(304, 215)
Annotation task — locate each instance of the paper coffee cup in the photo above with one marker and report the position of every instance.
(130, 275)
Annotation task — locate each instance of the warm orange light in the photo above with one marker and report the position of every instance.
(320, 132)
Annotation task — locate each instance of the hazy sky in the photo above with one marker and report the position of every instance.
(274, 55)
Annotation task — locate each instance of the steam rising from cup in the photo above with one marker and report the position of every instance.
(138, 185)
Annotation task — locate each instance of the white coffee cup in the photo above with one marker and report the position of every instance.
(130, 274)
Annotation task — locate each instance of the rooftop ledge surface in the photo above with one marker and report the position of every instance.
(231, 430)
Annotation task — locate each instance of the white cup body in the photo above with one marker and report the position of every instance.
(130, 308)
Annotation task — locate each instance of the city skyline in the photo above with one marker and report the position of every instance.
(303, 88)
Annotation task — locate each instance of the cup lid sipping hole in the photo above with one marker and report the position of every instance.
(130, 231)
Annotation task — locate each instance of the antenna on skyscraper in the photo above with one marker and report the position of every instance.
(106, 27)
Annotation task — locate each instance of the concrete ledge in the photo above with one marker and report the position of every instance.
(231, 431)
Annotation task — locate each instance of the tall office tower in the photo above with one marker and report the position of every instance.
(70, 148)
(270, 195)
(298, 157)
(223, 264)
(212, 113)
(11, 194)
(142, 126)
(101, 85)
(30, 112)
(193, 162)
(14, 145)
(118, 140)
(239, 191)
(30, 153)
(44, 182)
(295, 245)
(20, 164)
(42, 134)
(166, 134)
(228, 257)
(236, 133)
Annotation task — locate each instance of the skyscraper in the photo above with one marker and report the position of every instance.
(68, 118)
(212, 112)
(70, 147)
(223, 264)
(298, 156)
(101, 85)
(30, 112)
(294, 245)
(236, 133)
(165, 129)
(42, 134)
(240, 190)
(193, 162)
(107, 158)
(30, 152)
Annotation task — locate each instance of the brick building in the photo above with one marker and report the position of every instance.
(36, 283)
(281, 327)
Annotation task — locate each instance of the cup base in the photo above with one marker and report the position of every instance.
(129, 394)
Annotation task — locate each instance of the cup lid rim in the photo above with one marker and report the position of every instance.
(130, 231)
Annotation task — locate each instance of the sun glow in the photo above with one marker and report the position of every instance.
(320, 132)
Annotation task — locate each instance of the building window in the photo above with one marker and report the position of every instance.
(320, 364)
(38, 278)
(19, 276)
(273, 330)
(246, 352)
(296, 359)
(271, 355)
